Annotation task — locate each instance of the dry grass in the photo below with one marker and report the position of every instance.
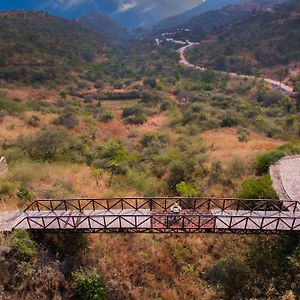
(13, 126)
(224, 144)
(27, 93)
(160, 266)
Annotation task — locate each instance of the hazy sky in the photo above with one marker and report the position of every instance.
(128, 12)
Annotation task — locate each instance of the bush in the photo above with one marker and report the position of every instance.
(230, 275)
(180, 171)
(134, 115)
(265, 160)
(34, 121)
(186, 190)
(137, 119)
(167, 105)
(237, 168)
(154, 140)
(151, 82)
(45, 144)
(216, 171)
(150, 98)
(106, 115)
(270, 98)
(67, 119)
(88, 286)
(229, 121)
(22, 245)
(260, 188)
(7, 188)
(25, 194)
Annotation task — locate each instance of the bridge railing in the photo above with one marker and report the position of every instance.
(163, 204)
(162, 223)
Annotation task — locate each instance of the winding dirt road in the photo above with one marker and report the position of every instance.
(183, 61)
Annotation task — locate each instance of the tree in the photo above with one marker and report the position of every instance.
(23, 246)
(228, 274)
(266, 159)
(216, 171)
(186, 190)
(96, 172)
(63, 95)
(45, 144)
(88, 286)
(260, 188)
(67, 119)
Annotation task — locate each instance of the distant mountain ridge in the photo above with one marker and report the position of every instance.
(228, 14)
(105, 26)
(179, 20)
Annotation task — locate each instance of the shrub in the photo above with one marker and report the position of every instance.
(134, 115)
(137, 119)
(266, 159)
(180, 171)
(236, 168)
(34, 121)
(230, 275)
(260, 188)
(88, 286)
(154, 140)
(106, 115)
(67, 119)
(151, 82)
(25, 194)
(23, 247)
(216, 171)
(229, 121)
(167, 105)
(269, 98)
(7, 188)
(150, 98)
(45, 144)
(186, 190)
(243, 137)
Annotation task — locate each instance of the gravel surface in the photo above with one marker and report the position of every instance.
(286, 178)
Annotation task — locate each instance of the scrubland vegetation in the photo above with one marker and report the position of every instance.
(130, 122)
(270, 43)
(198, 135)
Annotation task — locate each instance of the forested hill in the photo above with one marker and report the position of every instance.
(263, 39)
(37, 45)
(105, 26)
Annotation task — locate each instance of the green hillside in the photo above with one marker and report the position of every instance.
(105, 26)
(263, 39)
(39, 47)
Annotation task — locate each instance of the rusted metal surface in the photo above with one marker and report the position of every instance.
(153, 215)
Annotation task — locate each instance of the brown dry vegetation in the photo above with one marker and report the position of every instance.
(132, 266)
(225, 144)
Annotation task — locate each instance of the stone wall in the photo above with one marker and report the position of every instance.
(3, 166)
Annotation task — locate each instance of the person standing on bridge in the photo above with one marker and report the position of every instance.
(175, 210)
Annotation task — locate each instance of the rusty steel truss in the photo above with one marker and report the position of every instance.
(153, 215)
(163, 204)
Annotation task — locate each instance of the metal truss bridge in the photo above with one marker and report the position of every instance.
(154, 215)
